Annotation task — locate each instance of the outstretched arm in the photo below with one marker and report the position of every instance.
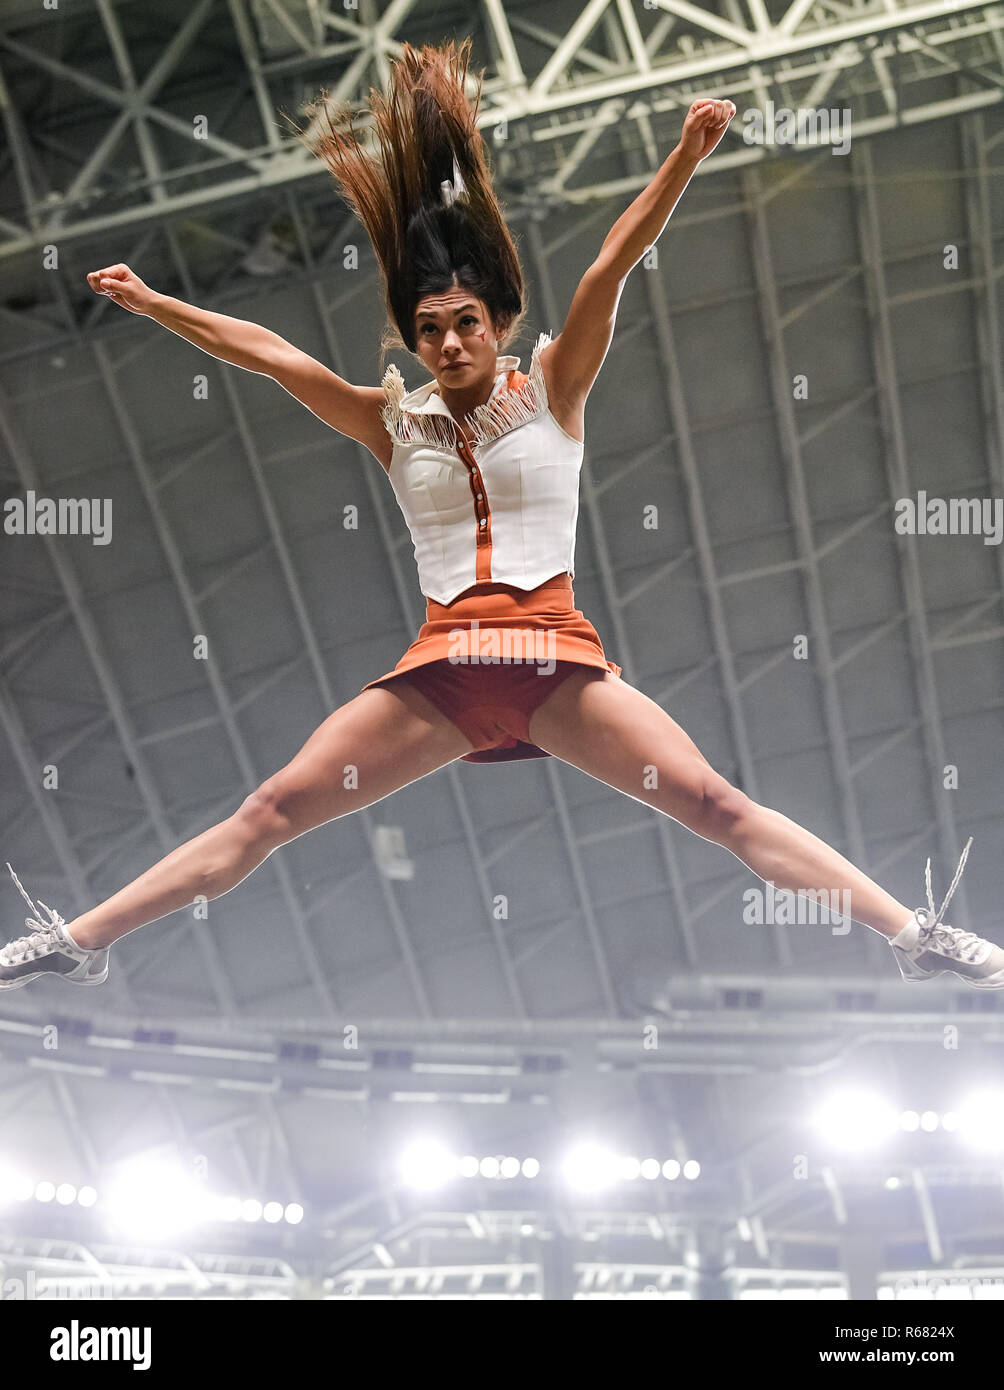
(645, 220)
(574, 358)
(352, 410)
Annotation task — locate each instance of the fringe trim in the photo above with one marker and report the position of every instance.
(489, 421)
(510, 409)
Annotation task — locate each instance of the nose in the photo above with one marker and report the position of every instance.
(452, 339)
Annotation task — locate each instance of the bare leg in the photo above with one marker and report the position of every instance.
(599, 723)
(392, 736)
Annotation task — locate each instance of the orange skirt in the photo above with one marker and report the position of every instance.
(489, 658)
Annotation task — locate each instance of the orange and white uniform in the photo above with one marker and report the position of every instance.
(502, 512)
(493, 527)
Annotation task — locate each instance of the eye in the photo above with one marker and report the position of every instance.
(467, 318)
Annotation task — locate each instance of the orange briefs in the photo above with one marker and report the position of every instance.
(489, 658)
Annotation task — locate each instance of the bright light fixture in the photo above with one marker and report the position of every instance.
(427, 1164)
(590, 1168)
(856, 1120)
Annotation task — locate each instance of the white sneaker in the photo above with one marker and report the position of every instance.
(927, 947)
(49, 950)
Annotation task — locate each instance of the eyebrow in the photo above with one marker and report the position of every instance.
(431, 313)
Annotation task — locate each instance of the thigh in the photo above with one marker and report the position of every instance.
(383, 739)
(599, 723)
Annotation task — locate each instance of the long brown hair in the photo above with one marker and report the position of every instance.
(426, 238)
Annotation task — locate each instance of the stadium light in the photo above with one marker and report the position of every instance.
(427, 1164)
(154, 1200)
(589, 1168)
(856, 1120)
(14, 1186)
(981, 1120)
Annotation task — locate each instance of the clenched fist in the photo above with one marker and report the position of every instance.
(706, 123)
(120, 284)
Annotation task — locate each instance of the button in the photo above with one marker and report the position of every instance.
(484, 523)
(480, 497)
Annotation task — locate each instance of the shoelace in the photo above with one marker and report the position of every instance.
(41, 940)
(934, 933)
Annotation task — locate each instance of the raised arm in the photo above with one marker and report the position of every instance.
(351, 410)
(571, 362)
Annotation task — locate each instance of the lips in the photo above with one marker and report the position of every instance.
(453, 366)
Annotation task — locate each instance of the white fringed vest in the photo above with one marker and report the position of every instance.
(503, 511)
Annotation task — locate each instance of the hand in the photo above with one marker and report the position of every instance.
(706, 123)
(120, 284)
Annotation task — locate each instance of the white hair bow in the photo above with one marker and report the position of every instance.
(450, 189)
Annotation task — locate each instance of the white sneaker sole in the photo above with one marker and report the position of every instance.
(85, 980)
(995, 981)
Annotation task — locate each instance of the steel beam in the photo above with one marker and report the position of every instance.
(898, 482)
(805, 542)
(101, 663)
(738, 58)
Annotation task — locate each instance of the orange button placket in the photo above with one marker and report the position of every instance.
(482, 513)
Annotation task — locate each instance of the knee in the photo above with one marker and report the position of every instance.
(720, 810)
(263, 818)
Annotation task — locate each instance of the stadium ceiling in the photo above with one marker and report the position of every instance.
(891, 59)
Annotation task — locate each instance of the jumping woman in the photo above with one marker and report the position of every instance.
(484, 461)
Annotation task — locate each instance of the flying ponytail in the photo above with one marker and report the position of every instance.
(425, 195)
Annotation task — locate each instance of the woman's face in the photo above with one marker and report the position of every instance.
(455, 338)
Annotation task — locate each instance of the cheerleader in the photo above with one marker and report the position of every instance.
(484, 462)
